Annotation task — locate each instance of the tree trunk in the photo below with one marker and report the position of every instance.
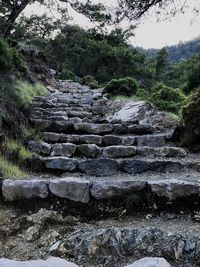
(14, 14)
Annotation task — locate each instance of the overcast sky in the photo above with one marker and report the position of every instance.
(151, 33)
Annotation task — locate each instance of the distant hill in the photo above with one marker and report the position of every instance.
(180, 52)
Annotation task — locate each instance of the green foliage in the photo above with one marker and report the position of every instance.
(104, 57)
(10, 58)
(67, 74)
(167, 98)
(17, 150)
(191, 113)
(142, 94)
(125, 86)
(25, 92)
(6, 56)
(90, 81)
(10, 170)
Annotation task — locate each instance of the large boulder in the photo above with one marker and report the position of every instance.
(51, 262)
(150, 262)
(71, 188)
(24, 189)
(99, 167)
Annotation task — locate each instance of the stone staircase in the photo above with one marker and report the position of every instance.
(96, 164)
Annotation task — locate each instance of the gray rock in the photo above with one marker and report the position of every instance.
(151, 140)
(150, 262)
(93, 128)
(128, 140)
(62, 126)
(89, 150)
(173, 189)
(39, 147)
(98, 110)
(166, 166)
(51, 137)
(120, 128)
(161, 151)
(79, 114)
(91, 139)
(110, 140)
(106, 190)
(51, 262)
(24, 189)
(61, 163)
(134, 166)
(71, 188)
(65, 150)
(99, 167)
(119, 151)
(140, 129)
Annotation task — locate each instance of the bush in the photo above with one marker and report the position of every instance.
(191, 112)
(10, 58)
(142, 94)
(67, 74)
(167, 99)
(25, 92)
(125, 86)
(90, 81)
(6, 56)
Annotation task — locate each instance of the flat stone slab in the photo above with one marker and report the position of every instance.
(119, 151)
(99, 167)
(24, 189)
(173, 189)
(51, 262)
(61, 163)
(150, 262)
(106, 190)
(71, 188)
(161, 151)
(93, 128)
(65, 150)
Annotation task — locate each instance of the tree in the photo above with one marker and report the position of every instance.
(10, 10)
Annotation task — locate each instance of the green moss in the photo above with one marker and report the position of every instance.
(10, 170)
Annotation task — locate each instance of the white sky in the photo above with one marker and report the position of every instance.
(150, 33)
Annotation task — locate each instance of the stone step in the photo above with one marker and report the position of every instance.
(94, 151)
(154, 140)
(108, 167)
(159, 192)
(91, 128)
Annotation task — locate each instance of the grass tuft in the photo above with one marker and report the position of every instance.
(10, 170)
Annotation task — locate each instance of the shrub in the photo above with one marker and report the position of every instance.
(10, 58)
(6, 56)
(67, 74)
(25, 92)
(191, 112)
(125, 86)
(168, 99)
(142, 94)
(90, 81)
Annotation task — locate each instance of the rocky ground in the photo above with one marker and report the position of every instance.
(109, 185)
